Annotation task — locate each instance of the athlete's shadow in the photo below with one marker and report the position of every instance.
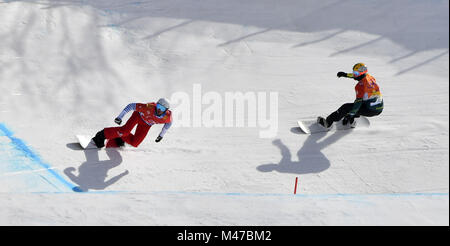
(92, 174)
(310, 156)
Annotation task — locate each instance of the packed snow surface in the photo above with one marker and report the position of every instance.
(70, 67)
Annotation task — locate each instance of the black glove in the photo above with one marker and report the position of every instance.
(118, 121)
(348, 119)
(158, 139)
(342, 74)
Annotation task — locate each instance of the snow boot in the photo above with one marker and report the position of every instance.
(99, 139)
(323, 122)
(119, 142)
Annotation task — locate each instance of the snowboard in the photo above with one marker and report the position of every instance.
(311, 126)
(86, 142)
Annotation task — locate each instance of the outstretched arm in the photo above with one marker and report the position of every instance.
(163, 131)
(165, 128)
(128, 108)
(344, 74)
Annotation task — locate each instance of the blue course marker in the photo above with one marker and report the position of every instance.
(22, 170)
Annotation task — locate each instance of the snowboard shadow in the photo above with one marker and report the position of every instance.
(310, 156)
(74, 146)
(92, 173)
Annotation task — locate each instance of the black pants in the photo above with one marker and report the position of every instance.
(346, 108)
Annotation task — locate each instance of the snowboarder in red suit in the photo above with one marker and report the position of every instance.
(144, 116)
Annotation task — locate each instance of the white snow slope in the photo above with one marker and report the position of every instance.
(70, 67)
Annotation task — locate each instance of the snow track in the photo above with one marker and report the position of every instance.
(70, 67)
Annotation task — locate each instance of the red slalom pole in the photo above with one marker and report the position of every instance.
(296, 181)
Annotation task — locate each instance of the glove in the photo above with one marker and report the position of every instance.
(348, 119)
(158, 139)
(342, 74)
(118, 121)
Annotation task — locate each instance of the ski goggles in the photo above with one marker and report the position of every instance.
(161, 107)
(358, 73)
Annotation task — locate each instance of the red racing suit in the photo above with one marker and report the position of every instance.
(144, 116)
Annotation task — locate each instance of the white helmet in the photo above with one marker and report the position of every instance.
(163, 102)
